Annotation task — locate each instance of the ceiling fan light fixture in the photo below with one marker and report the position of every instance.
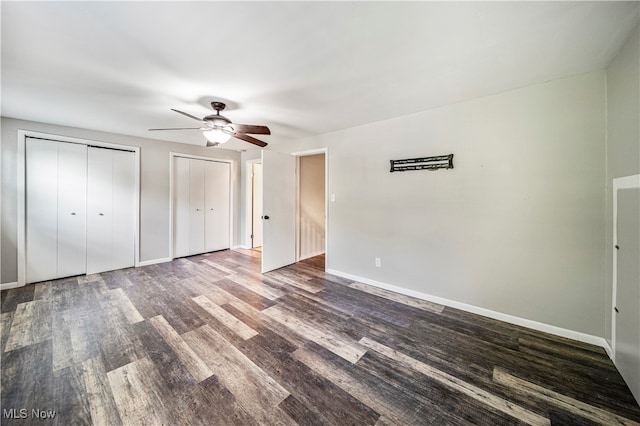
(216, 136)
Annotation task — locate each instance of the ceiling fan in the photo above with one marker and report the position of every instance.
(219, 129)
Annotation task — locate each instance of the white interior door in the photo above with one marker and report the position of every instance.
(279, 210)
(99, 210)
(72, 204)
(217, 203)
(257, 205)
(123, 210)
(41, 210)
(196, 205)
(181, 213)
(627, 307)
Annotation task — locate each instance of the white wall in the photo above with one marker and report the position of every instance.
(623, 139)
(516, 227)
(154, 187)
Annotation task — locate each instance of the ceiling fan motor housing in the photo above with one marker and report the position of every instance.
(216, 119)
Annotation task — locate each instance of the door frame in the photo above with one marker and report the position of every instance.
(627, 182)
(172, 156)
(306, 153)
(21, 195)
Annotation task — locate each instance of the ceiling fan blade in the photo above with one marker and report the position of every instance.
(186, 114)
(253, 129)
(249, 139)
(180, 128)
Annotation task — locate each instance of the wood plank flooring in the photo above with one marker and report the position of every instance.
(209, 340)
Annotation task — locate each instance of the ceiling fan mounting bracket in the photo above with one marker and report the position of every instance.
(218, 106)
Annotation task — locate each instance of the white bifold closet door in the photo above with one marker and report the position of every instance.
(196, 203)
(72, 204)
(80, 209)
(201, 206)
(217, 222)
(56, 179)
(110, 210)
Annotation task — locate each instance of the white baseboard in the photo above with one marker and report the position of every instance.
(535, 325)
(154, 261)
(607, 348)
(8, 286)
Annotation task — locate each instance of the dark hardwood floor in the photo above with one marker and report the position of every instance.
(209, 340)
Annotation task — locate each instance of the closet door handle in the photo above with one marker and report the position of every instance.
(73, 214)
(101, 214)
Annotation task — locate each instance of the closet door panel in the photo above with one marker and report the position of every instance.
(99, 212)
(41, 210)
(181, 213)
(123, 209)
(217, 219)
(196, 204)
(72, 201)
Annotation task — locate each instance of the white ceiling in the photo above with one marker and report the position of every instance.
(301, 68)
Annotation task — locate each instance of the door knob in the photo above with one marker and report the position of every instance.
(73, 214)
(265, 217)
(101, 214)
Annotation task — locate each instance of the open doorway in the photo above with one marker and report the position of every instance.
(311, 215)
(255, 205)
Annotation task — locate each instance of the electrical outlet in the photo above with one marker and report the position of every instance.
(378, 262)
